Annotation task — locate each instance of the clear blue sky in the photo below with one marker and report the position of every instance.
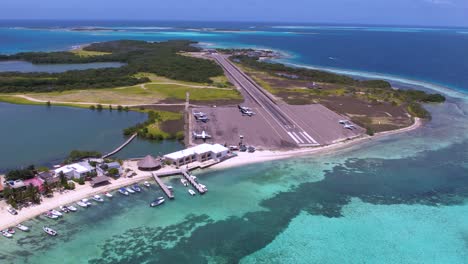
(405, 12)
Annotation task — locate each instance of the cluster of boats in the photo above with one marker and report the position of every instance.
(133, 189)
(9, 232)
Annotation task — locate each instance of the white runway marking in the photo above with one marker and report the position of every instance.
(293, 137)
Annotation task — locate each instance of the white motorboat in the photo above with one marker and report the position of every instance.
(158, 201)
(147, 184)
(55, 212)
(130, 190)
(191, 192)
(123, 191)
(50, 215)
(64, 209)
(86, 201)
(98, 198)
(11, 230)
(72, 208)
(170, 187)
(108, 194)
(184, 182)
(80, 203)
(22, 227)
(6, 234)
(49, 231)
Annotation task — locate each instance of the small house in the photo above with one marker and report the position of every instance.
(75, 170)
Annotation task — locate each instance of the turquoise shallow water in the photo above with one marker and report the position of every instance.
(397, 199)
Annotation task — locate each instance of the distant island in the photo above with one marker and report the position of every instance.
(159, 74)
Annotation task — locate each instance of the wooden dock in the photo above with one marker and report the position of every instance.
(121, 146)
(163, 186)
(193, 182)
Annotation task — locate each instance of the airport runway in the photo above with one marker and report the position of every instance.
(257, 98)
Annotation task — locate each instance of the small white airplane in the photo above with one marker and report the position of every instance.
(350, 127)
(199, 114)
(203, 135)
(343, 121)
(248, 113)
(243, 108)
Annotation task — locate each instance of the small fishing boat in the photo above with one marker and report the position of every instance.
(71, 208)
(191, 192)
(170, 187)
(80, 203)
(136, 188)
(123, 191)
(55, 212)
(147, 184)
(22, 227)
(98, 198)
(11, 230)
(49, 231)
(158, 201)
(64, 209)
(50, 215)
(184, 182)
(108, 194)
(6, 234)
(129, 190)
(86, 201)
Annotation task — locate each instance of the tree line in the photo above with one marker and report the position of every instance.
(161, 58)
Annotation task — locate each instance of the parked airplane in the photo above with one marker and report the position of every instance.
(343, 122)
(245, 110)
(203, 135)
(200, 116)
(350, 127)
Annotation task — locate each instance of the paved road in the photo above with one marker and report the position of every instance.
(263, 99)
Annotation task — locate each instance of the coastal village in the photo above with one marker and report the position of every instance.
(99, 176)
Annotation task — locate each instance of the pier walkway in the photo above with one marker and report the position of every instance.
(193, 182)
(121, 146)
(163, 186)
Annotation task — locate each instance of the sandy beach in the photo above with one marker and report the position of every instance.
(243, 158)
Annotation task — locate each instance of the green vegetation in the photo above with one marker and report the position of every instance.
(150, 129)
(76, 155)
(15, 197)
(20, 174)
(307, 74)
(161, 58)
(415, 109)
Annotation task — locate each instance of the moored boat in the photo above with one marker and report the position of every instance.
(11, 230)
(71, 208)
(136, 188)
(64, 209)
(130, 190)
(55, 212)
(50, 215)
(49, 231)
(147, 184)
(80, 203)
(6, 234)
(98, 198)
(203, 187)
(22, 227)
(86, 201)
(123, 191)
(191, 192)
(184, 182)
(158, 201)
(108, 194)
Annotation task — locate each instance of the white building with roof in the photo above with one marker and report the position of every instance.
(200, 153)
(75, 170)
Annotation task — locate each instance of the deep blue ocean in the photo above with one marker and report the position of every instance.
(394, 199)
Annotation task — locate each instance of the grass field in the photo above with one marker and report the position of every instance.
(84, 53)
(159, 90)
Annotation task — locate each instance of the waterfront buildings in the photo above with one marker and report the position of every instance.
(200, 153)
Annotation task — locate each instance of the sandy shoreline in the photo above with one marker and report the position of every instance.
(86, 191)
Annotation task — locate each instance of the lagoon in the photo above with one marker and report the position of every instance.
(43, 135)
(25, 66)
